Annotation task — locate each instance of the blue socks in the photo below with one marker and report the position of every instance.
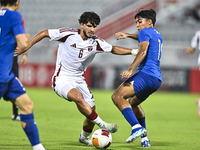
(133, 121)
(143, 124)
(130, 116)
(30, 128)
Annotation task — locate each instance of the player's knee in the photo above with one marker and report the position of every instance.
(79, 98)
(114, 98)
(130, 100)
(28, 107)
(31, 105)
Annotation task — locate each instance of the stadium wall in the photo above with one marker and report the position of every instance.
(174, 79)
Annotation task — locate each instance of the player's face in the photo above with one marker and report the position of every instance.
(142, 23)
(88, 29)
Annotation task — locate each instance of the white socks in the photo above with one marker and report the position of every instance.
(99, 122)
(84, 134)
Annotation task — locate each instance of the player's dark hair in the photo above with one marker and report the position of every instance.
(7, 2)
(91, 17)
(148, 14)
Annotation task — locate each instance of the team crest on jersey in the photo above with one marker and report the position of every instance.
(90, 49)
(73, 45)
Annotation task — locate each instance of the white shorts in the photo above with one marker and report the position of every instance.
(64, 84)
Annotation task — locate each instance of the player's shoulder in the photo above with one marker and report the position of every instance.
(12, 17)
(15, 14)
(95, 37)
(67, 29)
(197, 32)
(149, 31)
(10, 13)
(144, 31)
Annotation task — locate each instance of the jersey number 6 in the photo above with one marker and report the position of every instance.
(80, 55)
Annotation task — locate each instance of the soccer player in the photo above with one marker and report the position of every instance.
(76, 50)
(148, 78)
(194, 42)
(15, 70)
(12, 36)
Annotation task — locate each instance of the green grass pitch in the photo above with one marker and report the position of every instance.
(171, 118)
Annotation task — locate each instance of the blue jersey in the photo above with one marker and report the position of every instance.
(151, 63)
(10, 26)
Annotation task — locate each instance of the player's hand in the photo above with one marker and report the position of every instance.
(18, 51)
(190, 50)
(24, 59)
(126, 74)
(120, 35)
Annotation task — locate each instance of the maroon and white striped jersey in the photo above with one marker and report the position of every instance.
(74, 54)
(196, 40)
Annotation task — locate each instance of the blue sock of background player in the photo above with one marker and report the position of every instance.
(143, 124)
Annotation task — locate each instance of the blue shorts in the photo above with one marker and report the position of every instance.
(144, 84)
(12, 89)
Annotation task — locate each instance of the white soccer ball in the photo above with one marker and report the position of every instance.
(101, 138)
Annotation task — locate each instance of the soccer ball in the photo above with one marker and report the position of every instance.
(101, 138)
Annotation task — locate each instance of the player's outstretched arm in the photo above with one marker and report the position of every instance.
(121, 50)
(139, 58)
(33, 41)
(133, 36)
(121, 35)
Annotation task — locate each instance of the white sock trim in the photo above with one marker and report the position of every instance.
(38, 147)
(136, 126)
(144, 139)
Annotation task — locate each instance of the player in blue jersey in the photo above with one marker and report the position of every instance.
(12, 36)
(148, 78)
(15, 70)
